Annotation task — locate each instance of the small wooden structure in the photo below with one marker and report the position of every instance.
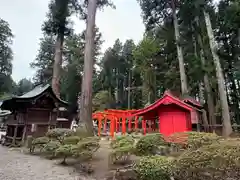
(33, 114)
(167, 115)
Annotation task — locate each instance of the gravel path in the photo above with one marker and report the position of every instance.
(18, 166)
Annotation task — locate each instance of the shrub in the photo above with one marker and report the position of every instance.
(71, 140)
(217, 161)
(199, 139)
(82, 132)
(121, 141)
(39, 142)
(89, 144)
(65, 151)
(154, 168)
(192, 140)
(149, 144)
(121, 155)
(50, 148)
(59, 134)
(84, 149)
(123, 147)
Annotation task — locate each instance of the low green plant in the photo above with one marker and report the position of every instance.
(149, 144)
(39, 143)
(217, 161)
(121, 141)
(49, 149)
(121, 155)
(59, 134)
(154, 168)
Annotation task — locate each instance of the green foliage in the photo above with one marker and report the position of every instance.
(217, 161)
(82, 132)
(71, 140)
(149, 144)
(122, 141)
(102, 101)
(154, 168)
(123, 147)
(199, 139)
(90, 144)
(40, 140)
(121, 154)
(6, 57)
(24, 86)
(59, 133)
(193, 140)
(49, 149)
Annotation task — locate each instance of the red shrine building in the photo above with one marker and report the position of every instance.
(168, 115)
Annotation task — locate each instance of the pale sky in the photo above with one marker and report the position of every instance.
(26, 17)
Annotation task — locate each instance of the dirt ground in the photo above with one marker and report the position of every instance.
(15, 165)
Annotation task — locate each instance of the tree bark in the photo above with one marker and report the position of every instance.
(57, 64)
(183, 76)
(227, 128)
(207, 86)
(85, 114)
(129, 89)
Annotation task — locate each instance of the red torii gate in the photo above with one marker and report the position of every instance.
(117, 118)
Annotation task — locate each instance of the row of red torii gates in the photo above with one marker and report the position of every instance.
(121, 119)
(169, 113)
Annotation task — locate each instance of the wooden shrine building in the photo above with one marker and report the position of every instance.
(33, 114)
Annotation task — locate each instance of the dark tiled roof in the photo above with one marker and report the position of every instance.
(38, 90)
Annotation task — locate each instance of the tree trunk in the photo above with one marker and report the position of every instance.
(183, 77)
(239, 36)
(85, 114)
(129, 89)
(227, 128)
(57, 65)
(207, 86)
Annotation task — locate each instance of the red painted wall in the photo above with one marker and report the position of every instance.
(173, 119)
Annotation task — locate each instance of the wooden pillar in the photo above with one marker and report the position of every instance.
(15, 135)
(24, 133)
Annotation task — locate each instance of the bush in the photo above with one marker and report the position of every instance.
(71, 140)
(50, 148)
(65, 151)
(121, 155)
(199, 139)
(217, 161)
(123, 147)
(39, 142)
(82, 132)
(59, 134)
(154, 168)
(84, 149)
(89, 144)
(193, 140)
(121, 141)
(149, 144)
